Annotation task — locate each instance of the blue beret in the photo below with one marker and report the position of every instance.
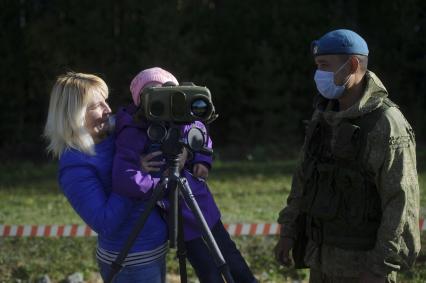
(341, 41)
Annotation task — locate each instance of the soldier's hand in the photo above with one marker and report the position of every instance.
(282, 251)
(368, 277)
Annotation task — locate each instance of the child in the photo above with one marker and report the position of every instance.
(135, 177)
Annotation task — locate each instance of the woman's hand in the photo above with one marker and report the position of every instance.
(200, 171)
(148, 165)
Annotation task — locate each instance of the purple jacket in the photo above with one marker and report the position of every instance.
(129, 180)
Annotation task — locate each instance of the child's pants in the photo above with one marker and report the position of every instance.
(204, 265)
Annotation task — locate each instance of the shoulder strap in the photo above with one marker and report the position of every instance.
(368, 122)
(389, 103)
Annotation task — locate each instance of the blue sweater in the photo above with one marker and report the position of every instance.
(86, 182)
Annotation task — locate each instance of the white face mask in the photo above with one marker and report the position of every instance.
(326, 86)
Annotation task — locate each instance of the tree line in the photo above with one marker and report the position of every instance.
(254, 56)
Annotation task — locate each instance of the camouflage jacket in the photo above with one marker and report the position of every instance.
(390, 157)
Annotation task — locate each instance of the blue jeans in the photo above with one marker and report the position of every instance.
(154, 272)
(201, 260)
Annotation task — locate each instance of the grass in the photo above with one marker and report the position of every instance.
(246, 191)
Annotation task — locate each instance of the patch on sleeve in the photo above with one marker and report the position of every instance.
(399, 142)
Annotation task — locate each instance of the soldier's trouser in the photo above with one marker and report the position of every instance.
(316, 276)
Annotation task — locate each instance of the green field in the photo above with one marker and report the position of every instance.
(246, 191)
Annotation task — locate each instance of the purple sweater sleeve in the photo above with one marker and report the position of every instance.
(203, 158)
(198, 157)
(128, 179)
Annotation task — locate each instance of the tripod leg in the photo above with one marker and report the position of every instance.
(173, 213)
(176, 239)
(157, 194)
(207, 234)
(181, 249)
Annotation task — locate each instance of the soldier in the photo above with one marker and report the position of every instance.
(353, 211)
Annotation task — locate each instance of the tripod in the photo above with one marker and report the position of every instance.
(172, 147)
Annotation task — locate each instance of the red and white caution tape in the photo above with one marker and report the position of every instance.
(253, 229)
(46, 231)
(237, 229)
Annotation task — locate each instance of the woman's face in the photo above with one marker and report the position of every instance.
(97, 113)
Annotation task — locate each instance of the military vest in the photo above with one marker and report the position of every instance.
(340, 197)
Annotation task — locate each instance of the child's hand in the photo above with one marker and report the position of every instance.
(149, 165)
(200, 171)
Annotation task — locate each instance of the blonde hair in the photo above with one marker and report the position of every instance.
(65, 125)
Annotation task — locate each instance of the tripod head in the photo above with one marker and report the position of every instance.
(172, 139)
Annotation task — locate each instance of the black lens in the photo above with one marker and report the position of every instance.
(157, 108)
(199, 108)
(156, 132)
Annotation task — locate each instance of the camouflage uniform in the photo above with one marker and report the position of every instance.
(389, 156)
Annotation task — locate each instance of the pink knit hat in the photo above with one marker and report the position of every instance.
(146, 76)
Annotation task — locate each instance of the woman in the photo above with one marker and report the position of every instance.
(78, 132)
